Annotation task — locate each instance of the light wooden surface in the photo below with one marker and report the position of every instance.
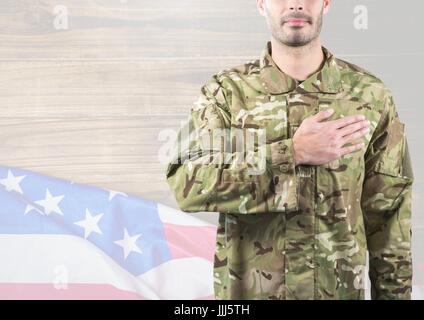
(87, 103)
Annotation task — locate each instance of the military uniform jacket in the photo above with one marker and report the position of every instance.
(299, 231)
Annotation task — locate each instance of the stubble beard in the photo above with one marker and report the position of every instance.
(296, 37)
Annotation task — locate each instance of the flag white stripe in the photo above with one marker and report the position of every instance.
(173, 216)
(56, 258)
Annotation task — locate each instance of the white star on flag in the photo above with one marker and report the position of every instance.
(30, 208)
(128, 243)
(50, 203)
(12, 182)
(113, 193)
(90, 223)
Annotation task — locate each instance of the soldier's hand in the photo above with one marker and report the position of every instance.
(318, 142)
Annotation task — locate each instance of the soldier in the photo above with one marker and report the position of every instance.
(336, 180)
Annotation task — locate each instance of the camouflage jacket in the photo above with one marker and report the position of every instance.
(299, 231)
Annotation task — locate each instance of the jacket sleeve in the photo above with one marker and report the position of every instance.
(386, 207)
(205, 174)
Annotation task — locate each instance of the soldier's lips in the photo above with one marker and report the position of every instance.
(296, 22)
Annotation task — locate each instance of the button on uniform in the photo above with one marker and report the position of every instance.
(320, 196)
(284, 168)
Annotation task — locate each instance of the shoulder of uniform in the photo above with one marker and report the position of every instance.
(238, 72)
(227, 82)
(352, 68)
(221, 85)
(355, 73)
(361, 82)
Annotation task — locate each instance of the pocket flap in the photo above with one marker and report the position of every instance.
(393, 156)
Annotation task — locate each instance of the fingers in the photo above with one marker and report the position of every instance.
(362, 125)
(322, 115)
(354, 136)
(350, 149)
(342, 122)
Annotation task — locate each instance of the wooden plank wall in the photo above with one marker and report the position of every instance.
(87, 103)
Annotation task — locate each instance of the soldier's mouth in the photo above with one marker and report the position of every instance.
(296, 22)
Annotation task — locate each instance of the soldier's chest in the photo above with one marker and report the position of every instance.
(281, 115)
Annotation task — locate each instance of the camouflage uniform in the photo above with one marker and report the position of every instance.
(301, 232)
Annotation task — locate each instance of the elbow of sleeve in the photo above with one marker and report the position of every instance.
(190, 202)
(188, 186)
(190, 206)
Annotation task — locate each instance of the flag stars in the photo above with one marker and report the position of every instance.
(30, 208)
(50, 203)
(12, 182)
(90, 223)
(128, 243)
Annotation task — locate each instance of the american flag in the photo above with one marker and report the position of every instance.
(65, 240)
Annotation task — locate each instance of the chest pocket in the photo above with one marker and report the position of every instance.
(262, 112)
(343, 108)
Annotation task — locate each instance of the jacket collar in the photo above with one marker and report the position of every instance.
(274, 81)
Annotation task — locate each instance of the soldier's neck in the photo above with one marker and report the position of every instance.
(298, 62)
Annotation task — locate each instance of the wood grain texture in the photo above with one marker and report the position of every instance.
(87, 103)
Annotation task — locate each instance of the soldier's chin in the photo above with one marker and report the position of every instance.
(295, 42)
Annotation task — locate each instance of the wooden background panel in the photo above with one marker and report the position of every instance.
(133, 29)
(88, 103)
(110, 153)
(102, 89)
